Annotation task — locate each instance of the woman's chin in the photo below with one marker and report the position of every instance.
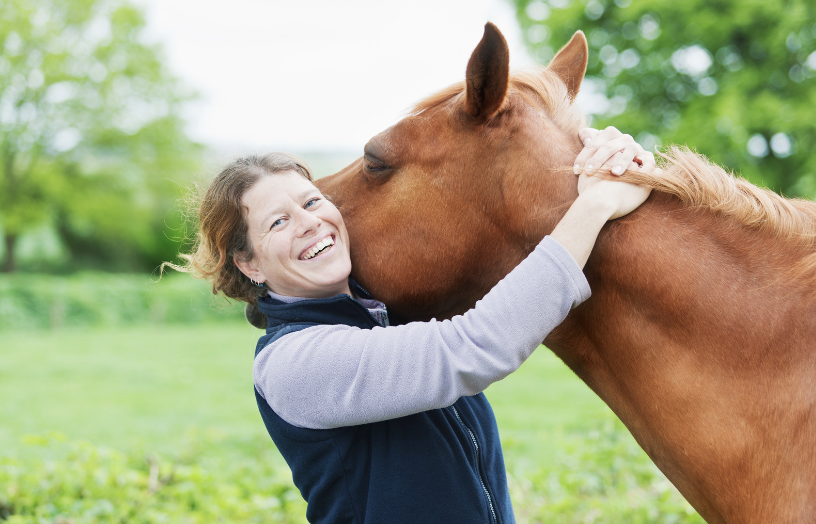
(331, 283)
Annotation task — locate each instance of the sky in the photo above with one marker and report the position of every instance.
(317, 74)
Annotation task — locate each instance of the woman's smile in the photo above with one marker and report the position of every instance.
(318, 248)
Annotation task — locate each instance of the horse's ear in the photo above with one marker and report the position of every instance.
(570, 63)
(488, 73)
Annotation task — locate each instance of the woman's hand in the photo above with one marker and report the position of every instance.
(609, 151)
(599, 198)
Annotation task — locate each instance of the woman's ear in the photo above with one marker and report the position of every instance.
(246, 267)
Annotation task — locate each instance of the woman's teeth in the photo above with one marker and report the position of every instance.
(317, 248)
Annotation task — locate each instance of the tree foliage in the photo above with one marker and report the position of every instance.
(734, 79)
(90, 133)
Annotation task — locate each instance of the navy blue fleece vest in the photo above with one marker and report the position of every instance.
(439, 466)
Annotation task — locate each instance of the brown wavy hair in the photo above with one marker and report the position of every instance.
(222, 228)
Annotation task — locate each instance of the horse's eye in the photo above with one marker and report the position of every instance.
(373, 164)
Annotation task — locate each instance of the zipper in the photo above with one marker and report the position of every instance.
(377, 323)
(478, 469)
(385, 322)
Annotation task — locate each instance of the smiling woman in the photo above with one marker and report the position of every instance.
(224, 239)
(381, 422)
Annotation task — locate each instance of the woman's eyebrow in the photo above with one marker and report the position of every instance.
(277, 210)
(300, 197)
(268, 217)
(307, 192)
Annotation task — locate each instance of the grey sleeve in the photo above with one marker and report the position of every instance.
(330, 376)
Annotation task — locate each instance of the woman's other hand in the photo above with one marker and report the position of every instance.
(608, 151)
(599, 197)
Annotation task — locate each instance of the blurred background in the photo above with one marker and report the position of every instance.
(128, 399)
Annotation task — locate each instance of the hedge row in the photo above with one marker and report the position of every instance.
(36, 301)
(599, 477)
(78, 483)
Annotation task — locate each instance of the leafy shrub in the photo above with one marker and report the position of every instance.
(35, 301)
(601, 477)
(77, 483)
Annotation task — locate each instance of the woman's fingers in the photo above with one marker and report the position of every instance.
(589, 137)
(621, 160)
(647, 168)
(599, 147)
(615, 154)
(612, 150)
(646, 160)
(587, 134)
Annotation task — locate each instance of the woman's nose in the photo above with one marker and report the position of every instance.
(307, 222)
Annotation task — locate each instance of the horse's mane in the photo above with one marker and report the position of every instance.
(699, 183)
(690, 177)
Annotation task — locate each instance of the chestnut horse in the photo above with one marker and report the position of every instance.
(701, 330)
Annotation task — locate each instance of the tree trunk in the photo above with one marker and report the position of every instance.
(8, 264)
(11, 186)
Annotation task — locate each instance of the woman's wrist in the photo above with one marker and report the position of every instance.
(579, 228)
(595, 206)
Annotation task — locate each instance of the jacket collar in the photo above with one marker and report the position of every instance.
(339, 309)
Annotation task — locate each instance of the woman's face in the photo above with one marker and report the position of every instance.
(299, 240)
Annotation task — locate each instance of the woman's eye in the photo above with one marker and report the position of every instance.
(276, 223)
(311, 202)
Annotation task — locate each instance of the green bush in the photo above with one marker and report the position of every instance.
(36, 301)
(78, 483)
(600, 477)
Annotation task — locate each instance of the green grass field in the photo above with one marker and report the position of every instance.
(183, 395)
(152, 385)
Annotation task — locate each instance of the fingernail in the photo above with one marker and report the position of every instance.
(590, 167)
(587, 141)
(617, 170)
(576, 169)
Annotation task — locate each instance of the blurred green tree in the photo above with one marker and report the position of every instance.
(734, 79)
(90, 133)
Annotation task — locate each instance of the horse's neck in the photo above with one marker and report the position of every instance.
(673, 286)
(695, 276)
(685, 338)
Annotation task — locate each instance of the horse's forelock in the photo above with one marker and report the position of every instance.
(438, 98)
(550, 92)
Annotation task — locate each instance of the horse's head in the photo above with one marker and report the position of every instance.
(451, 198)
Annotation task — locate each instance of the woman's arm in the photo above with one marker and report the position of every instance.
(330, 376)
